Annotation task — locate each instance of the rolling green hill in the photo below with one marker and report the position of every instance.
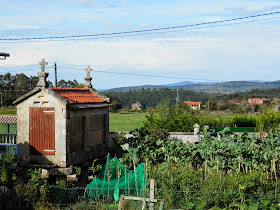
(223, 87)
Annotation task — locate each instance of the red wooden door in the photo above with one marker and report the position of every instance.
(41, 131)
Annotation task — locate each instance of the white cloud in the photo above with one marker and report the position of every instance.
(4, 26)
(253, 7)
(86, 1)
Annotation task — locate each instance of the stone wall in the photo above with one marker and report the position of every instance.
(185, 137)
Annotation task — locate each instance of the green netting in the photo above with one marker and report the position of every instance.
(116, 180)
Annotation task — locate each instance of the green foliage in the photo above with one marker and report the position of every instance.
(151, 98)
(222, 170)
(244, 121)
(69, 84)
(33, 191)
(269, 121)
(8, 111)
(184, 186)
(95, 167)
(6, 161)
(115, 106)
(172, 118)
(229, 121)
(14, 86)
(94, 206)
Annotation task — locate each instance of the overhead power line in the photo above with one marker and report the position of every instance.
(142, 34)
(141, 75)
(141, 31)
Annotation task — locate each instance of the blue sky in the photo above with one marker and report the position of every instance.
(247, 51)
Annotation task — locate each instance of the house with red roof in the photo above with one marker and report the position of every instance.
(61, 127)
(259, 101)
(194, 105)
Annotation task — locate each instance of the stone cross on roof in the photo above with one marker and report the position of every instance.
(88, 78)
(88, 70)
(43, 63)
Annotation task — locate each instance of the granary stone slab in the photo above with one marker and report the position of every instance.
(62, 171)
(45, 174)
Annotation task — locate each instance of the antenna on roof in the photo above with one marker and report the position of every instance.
(55, 75)
(4, 55)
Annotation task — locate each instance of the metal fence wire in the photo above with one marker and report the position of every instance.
(173, 199)
(64, 196)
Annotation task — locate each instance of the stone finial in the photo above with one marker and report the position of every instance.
(88, 78)
(42, 75)
(196, 129)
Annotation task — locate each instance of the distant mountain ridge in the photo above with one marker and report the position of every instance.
(221, 87)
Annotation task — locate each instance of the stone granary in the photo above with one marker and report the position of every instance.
(61, 127)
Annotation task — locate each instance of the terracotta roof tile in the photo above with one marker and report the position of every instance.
(78, 95)
(192, 103)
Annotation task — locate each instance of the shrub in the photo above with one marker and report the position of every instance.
(6, 161)
(269, 121)
(33, 192)
(244, 121)
(172, 118)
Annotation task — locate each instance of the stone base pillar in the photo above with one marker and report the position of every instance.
(42, 79)
(83, 178)
(88, 82)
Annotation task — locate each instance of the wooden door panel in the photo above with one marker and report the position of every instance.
(41, 131)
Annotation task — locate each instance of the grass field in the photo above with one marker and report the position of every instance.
(126, 121)
(8, 111)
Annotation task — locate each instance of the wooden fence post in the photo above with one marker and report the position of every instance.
(120, 202)
(152, 193)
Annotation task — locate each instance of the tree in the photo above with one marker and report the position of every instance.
(116, 106)
(62, 83)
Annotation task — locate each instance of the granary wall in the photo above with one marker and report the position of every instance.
(92, 148)
(41, 99)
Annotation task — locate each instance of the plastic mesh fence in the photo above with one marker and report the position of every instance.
(115, 180)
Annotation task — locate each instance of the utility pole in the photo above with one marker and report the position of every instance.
(177, 98)
(55, 75)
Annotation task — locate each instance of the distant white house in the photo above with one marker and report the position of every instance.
(194, 105)
(136, 106)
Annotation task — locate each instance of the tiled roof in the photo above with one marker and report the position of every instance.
(8, 119)
(192, 103)
(78, 95)
(262, 99)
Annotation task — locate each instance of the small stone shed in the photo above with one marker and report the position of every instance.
(61, 127)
